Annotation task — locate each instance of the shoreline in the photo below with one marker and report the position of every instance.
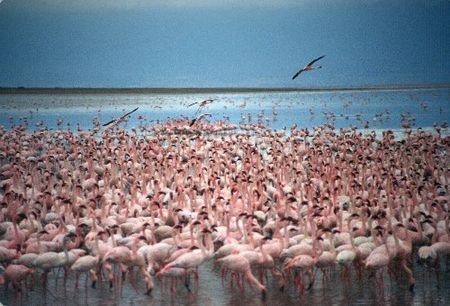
(210, 90)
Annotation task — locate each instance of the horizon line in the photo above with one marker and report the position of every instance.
(227, 89)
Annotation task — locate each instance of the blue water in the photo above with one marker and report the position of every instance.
(375, 109)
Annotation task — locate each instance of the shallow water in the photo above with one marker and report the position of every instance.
(381, 109)
(210, 291)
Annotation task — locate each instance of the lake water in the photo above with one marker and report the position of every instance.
(377, 109)
(381, 109)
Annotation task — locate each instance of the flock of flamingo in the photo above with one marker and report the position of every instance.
(120, 206)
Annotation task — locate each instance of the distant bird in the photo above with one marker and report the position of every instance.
(309, 67)
(121, 118)
(193, 121)
(201, 105)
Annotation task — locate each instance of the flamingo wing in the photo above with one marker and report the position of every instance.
(192, 122)
(298, 73)
(203, 103)
(109, 122)
(198, 118)
(129, 113)
(315, 60)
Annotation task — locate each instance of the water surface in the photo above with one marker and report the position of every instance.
(375, 109)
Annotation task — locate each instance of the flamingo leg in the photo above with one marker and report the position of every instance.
(94, 277)
(86, 282)
(132, 279)
(77, 275)
(252, 280)
(195, 272)
(223, 275)
(148, 280)
(312, 278)
(110, 272)
(411, 279)
(187, 280)
(66, 273)
(279, 276)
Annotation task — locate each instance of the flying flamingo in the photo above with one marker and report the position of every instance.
(201, 104)
(309, 67)
(120, 119)
(198, 118)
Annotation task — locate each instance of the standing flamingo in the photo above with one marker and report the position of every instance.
(15, 274)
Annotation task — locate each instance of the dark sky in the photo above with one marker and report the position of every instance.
(211, 43)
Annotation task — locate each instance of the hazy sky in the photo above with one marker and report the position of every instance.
(212, 43)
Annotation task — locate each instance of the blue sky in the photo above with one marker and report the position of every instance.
(212, 43)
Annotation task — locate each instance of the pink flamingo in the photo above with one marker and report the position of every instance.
(15, 274)
(309, 67)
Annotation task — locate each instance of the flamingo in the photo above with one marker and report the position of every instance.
(201, 104)
(309, 67)
(239, 264)
(174, 274)
(377, 261)
(303, 264)
(198, 118)
(120, 119)
(242, 185)
(327, 259)
(261, 260)
(15, 274)
(50, 260)
(346, 257)
(86, 263)
(192, 259)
